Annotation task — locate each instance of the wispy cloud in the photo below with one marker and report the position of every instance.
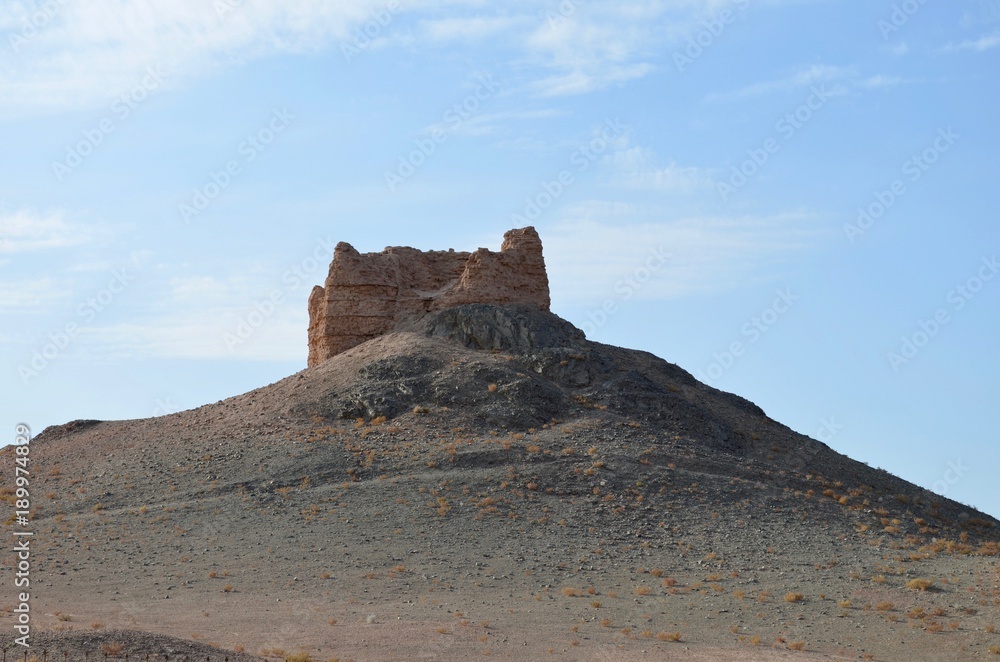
(877, 81)
(598, 242)
(210, 333)
(638, 168)
(589, 51)
(898, 49)
(803, 78)
(31, 295)
(471, 28)
(984, 43)
(494, 123)
(26, 231)
(86, 53)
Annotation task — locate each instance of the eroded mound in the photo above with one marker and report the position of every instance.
(491, 461)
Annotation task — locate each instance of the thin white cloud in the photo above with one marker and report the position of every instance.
(878, 81)
(212, 333)
(26, 231)
(84, 55)
(984, 43)
(805, 77)
(199, 289)
(899, 49)
(492, 123)
(584, 80)
(87, 53)
(590, 49)
(469, 29)
(31, 295)
(637, 168)
(598, 243)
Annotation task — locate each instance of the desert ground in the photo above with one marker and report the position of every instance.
(491, 484)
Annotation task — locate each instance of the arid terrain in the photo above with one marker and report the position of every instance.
(488, 483)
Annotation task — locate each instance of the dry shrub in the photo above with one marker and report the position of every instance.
(794, 597)
(112, 648)
(920, 584)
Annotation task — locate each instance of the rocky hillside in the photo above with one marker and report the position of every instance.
(489, 460)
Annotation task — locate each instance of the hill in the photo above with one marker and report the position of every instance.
(485, 480)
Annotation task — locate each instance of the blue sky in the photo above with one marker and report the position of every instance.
(792, 199)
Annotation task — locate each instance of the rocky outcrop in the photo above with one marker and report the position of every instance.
(370, 294)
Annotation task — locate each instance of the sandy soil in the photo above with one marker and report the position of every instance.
(413, 499)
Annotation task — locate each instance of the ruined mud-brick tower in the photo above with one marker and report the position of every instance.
(369, 294)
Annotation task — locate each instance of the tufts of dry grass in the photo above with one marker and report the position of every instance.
(919, 584)
(112, 648)
(794, 597)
